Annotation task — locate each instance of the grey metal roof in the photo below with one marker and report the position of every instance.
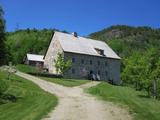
(34, 57)
(83, 45)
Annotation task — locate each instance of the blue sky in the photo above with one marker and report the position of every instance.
(82, 16)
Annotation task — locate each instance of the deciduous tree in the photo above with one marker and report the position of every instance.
(61, 65)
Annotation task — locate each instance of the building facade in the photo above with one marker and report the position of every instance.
(87, 56)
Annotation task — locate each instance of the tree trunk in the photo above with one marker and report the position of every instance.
(154, 89)
(136, 85)
(148, 90)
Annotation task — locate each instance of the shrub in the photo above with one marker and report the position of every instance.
(26, 68)
(3, 86)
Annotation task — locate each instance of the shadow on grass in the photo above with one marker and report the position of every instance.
(143, 96)
(5, 98)
(70, 80)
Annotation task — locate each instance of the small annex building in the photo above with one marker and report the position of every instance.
(33, 59)
(88, 56)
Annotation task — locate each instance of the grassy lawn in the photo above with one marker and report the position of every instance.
(143, 108)
(61, 81)
(26, 68)
(66, 82)
(32, 102)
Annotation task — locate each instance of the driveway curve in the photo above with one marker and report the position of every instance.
(75, 104)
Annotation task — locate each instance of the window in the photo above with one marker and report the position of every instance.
(99, 72)
(105, 63)
(73, 60)
(73, 71)
(106, 73)
(82, 61)
(98, 62)
(100, 51)
(90, 62)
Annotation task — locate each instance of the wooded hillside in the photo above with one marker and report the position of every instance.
(28, 41)
(125, 40)
(139, 48)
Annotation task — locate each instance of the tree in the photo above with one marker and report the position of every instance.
(2, 38)
(11, 69)
(154, 67)
(61, 65)
(134, 71)
(156, 76)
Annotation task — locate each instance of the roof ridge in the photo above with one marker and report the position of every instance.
(82, 45)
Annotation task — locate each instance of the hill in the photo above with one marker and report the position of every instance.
(139, 49)
(126, 39)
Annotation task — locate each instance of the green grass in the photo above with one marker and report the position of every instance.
(61, 81)
(32, 103)
(26, 68)
(144, 108)
(66, 82)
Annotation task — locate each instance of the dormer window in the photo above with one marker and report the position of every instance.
(100, 51)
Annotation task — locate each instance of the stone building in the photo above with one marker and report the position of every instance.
(88, 56)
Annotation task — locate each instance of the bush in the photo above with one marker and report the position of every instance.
(3, 86)
(26, 68)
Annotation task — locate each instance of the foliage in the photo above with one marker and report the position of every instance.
(61, 64)
(3, 50)
(25, 41)
(28, 41)
(32, 102)
(140, 106)
(3, 86)
(139, 49)
(142, 71)
(129, 39)
(26, 68)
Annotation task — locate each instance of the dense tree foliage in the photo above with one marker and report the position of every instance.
(28, 41)
(3, 49)
(139, 48)
(32, 41)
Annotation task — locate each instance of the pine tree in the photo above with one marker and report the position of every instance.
(2, 38)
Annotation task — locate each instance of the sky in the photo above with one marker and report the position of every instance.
(81, 16)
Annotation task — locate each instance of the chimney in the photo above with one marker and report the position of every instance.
(74, 34)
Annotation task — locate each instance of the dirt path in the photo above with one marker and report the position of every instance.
(74, 104)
